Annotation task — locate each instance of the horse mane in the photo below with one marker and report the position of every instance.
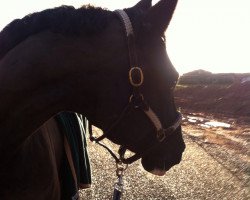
(65, 20)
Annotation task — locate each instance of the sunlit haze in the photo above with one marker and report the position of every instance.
(213, 35)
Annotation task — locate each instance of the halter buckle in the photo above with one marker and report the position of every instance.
(138, 101)
(136, 77)
(161, 135)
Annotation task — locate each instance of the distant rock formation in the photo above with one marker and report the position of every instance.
(202, 77)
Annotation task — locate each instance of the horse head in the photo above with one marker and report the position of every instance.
(154, 80)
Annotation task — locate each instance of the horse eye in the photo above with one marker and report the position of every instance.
(163, 39)
(173, 85)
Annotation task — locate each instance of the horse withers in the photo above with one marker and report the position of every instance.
(87, 61)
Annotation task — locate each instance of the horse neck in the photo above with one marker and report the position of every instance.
(39, 78)
(48, 73)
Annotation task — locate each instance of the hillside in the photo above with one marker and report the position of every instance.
(202, 91)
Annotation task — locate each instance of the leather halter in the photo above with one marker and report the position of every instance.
(136, 100)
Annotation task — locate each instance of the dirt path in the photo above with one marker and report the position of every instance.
(198, 177)
(226, 139)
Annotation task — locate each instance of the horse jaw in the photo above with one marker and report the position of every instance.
(158, 172)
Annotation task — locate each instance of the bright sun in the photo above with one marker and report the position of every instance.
(211, 35)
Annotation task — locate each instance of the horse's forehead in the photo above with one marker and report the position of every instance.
(155, 60)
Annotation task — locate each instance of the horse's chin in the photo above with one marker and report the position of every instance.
(158, 168)
(158, 172)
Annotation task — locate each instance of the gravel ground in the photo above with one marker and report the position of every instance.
(197, 177)
(234, 162)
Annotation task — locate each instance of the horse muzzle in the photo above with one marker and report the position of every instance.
(160, 166)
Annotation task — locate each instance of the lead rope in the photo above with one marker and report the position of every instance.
(119, 185)
(97, 141)
(120, 167)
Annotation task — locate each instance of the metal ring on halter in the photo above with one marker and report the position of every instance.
(132, 81)
(120, 168)
(120, 165)
(132, 96)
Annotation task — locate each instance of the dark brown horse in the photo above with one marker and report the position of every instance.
(67, 59)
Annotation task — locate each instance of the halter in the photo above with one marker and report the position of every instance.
(136, 101)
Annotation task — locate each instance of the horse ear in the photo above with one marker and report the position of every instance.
(160, 15)
(144, 5)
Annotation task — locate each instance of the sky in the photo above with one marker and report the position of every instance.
(213, 35)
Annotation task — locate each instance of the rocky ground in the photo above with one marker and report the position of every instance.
(228, 143)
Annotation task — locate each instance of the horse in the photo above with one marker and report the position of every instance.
(111, 67)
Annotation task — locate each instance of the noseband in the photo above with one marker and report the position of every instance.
(136, 100)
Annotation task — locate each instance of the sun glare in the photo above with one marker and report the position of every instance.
(211, 35)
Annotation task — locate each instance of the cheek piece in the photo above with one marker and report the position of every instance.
(136, 101)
